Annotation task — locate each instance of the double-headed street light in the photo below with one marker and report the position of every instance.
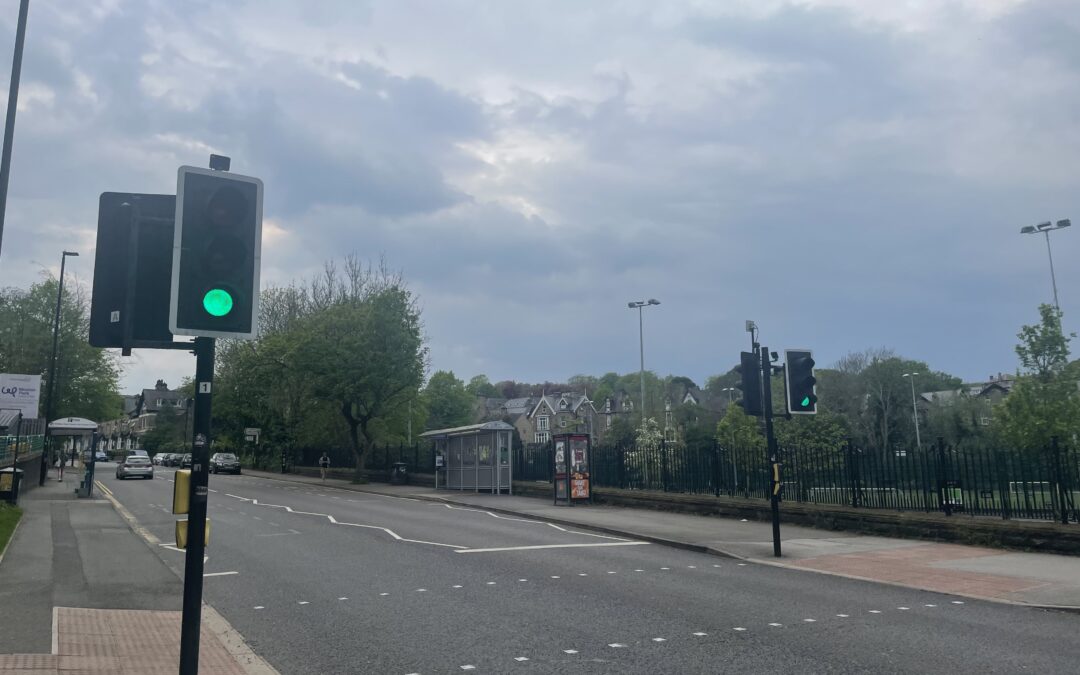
(639, 305)
(52, 370)
(914, 409)
(1046, 228)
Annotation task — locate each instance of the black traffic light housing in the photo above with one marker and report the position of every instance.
(799, 382)
(750, 384)
(132, 270)
(216, 254)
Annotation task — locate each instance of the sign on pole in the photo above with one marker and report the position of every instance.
(21, 392)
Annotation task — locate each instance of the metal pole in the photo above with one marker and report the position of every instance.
(196, 528)
(52, 375)
(1053, 279)
(915, 412)
(774, 453)
(641, 344)
(12, 105)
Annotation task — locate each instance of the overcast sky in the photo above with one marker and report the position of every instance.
(848, 173)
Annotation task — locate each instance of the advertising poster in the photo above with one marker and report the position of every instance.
(20, 392)
(579, 488)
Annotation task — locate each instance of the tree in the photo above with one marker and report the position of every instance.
(480, 385)
(86, 377)
(449, 404)
(739, 431)
(365, 355)
(1045, 402)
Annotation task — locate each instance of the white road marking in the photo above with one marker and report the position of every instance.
(395, 535)
(523, 520)
(929, 605)
(875, 611)
(738, 628)
(665, 568)
(611, 571)
(342, 598)
(220, 574)
(383, 594)
(616, 645)
(742, 564)
(903, 608)
(776, 625)
(258, 607)
(303, 602)
(570, 651)
(716, 566)
(700, 634)
(421, 590)
(468, 667)
(957, 602)
(692, 567)
(491, 583)
(459, 549)
(522, 579)
(458, 586)
(659, 639)
(521, 658)
(843, 616)
(556, 577)
(809, 620)
(639, 570)
(582, 574)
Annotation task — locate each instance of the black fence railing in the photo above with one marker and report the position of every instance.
(972, 480)
(419, 458)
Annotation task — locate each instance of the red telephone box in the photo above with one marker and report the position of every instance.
(572, 468)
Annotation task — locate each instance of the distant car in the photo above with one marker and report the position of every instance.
(138, 453)
(101, 456)
(169, 459)
(156, 459)
(185, 461)
(135, 466)
(224, 462)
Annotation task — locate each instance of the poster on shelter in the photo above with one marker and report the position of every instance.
(579, 488)
(20, 392)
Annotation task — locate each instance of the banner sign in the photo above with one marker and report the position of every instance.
(20, 392)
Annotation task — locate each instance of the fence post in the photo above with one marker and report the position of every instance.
(716, 469)
(1003, 485)
(664, 464)
(853, 473)
(943, 477)
(1059, 478)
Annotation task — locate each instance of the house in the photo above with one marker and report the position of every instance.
(536, 418)
(139, 414)
(992, 391)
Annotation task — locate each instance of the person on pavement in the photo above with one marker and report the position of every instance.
(60, 458)
(324, 464)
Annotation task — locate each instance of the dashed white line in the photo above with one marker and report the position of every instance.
(522, 579)
(303, 602)
(611, 571)
(521, 658)
(776, 625)
(843, 616)
(957, 602)
(582, 574)
(659, 639)
(342, 598)
(739, 628)
(616, 645)
(929, 605)
(903, 608)
(809, 620)
(220, 574)
(468, 667)
(383, 594)
(258, 607)
(556, 576)
(700, 634)
(570, 651)
(421, 590)
(491, 583)
(875, 611)
(458, 586)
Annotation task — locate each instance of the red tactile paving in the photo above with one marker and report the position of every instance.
(914, 566)
(135, 642)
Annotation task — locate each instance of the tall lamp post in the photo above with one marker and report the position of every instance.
(52, 370)
(12, 105)
(1046, 228)
(914, 409)
(639, 305)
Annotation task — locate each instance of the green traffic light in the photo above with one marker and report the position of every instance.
(806, 402)
(217, 302)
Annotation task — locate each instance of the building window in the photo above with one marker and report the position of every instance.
(562, 424)
(542, 423)
(562, 404)
(541, 437)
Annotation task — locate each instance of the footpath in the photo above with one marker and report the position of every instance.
(1034, 579)
(81, 592)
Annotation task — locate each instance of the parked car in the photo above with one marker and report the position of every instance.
(170, 459)
(224, 462)
(185, 461)
(135, 466)
(101, 456)
(156, 459)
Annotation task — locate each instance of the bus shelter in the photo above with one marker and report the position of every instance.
(476, 457)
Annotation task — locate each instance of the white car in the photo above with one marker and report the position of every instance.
(135, 466)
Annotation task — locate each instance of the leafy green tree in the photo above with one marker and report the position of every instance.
(1045, 402)
(480, 385)
(86, 377)
(367, 358)
(167, 434)
(740, 431)
(449, 403)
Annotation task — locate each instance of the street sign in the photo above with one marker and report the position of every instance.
(20, 392)
(252, 431)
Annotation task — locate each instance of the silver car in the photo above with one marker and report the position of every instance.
(135, 465)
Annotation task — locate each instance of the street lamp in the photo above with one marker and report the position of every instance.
(52, 368)
(639, 305)
(730, 392)
(1046, 228)
(914, 410)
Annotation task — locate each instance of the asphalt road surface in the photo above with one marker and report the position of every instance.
(321, 580)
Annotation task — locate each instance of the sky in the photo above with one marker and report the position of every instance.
(849, 174)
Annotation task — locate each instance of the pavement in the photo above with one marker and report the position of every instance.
(1035, 579)
(81, 592)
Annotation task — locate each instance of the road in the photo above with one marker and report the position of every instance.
(322, 580)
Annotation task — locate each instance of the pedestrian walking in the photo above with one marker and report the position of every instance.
(60, 459)
(324, 464)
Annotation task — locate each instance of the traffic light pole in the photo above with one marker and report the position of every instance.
(196, 527)
(774, 453)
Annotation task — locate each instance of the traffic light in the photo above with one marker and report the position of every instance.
(132, 270)
(799, 382)
(216, 253)
(750, 384)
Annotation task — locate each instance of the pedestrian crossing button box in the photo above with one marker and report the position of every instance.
(181, 496)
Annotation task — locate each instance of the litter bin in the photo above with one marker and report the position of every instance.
(399, 474)
(10, 480)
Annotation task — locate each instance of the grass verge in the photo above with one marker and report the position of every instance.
(9, 518)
